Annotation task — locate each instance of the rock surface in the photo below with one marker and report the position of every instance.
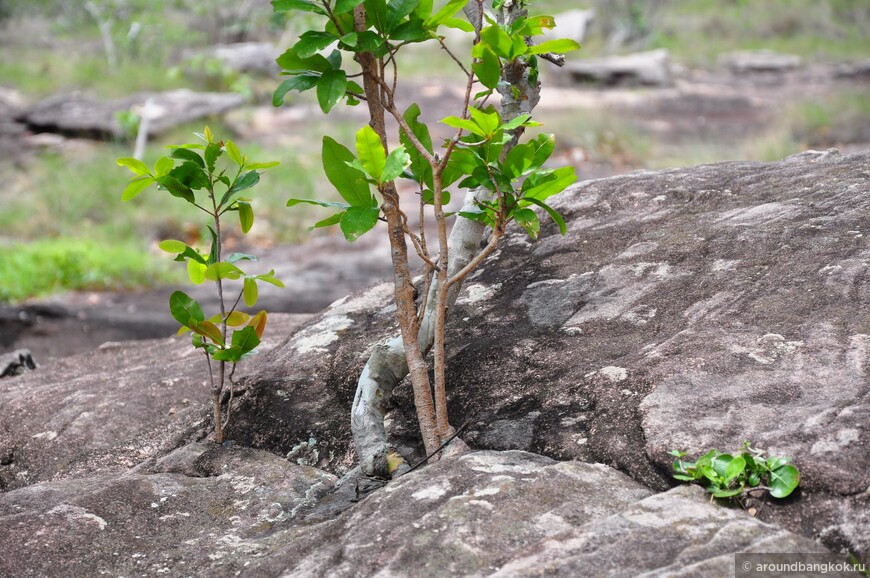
(760, 61)
(690, 308)
(651, 68)
(220, 511)
(258, 57)
(78, 115)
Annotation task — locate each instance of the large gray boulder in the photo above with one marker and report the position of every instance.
(225, 511)
(685, 309)
(79, 115)
(650, 68)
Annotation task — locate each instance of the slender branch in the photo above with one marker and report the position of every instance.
(239, 298)
(478, 259)
(232, 393)
(443, 445)
(453, 56)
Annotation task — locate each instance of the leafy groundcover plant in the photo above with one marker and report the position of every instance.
(211, 176)
(731, 475)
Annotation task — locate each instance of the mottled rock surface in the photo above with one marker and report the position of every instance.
(79, 115)
(651, 68)
(691, 308)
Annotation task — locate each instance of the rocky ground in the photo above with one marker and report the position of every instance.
(690, 308)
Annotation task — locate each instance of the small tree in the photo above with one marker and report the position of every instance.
(212, 185)
(505, 179)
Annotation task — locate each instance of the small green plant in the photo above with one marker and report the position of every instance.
(212, 185)
(731, 475)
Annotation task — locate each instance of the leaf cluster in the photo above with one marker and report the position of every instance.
(730, 475)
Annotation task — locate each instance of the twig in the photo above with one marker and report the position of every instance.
(443, 445)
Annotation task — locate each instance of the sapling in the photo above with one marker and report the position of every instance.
(210, 176)
(504, 179)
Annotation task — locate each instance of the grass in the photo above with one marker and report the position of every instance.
(67, 263)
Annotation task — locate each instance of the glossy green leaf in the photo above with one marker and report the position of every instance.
(246, 216)
(212, 153)
(411, 31)
(449, 10)
(350, 183)
(190, 175)
(330, 89)
(301, 82)
(557, 218)
(395, 164)
(176, 188)
(223, 270)
(233, 152)
(428, 197)
(258, 322)
(520, 120)
(560, 46)
(184, 308)
(196, 271)
(293, 202)
(235, 257)
(207, 329)
(246, 339)
(357, 221)
(311, 42)
(397, 10)
(462, 123)
(343, 6)
(543, 185)
(735, 467)
(726, 493)
(260, 166)
(371, 151)
(135, 187)
(328, 221)
(488, 68)
(783, 481)
(172, 246)
(188, 155)
(163, 166)
(301, 5)
(528, 220)
(498, 40)
(488, 122)
(270, 278)
(245, 181)
(292, 62)
(376, 13)
(458, 24)
(423, 9)
(250, 291)
(134, 165)
(420, 167)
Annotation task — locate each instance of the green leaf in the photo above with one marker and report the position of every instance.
(428, 197)
(725, 493)
(423, 10)
(207, 329)
(358, 220)
(458, 24)
(498, 40)
(464, 124)
(521, 120)
(350, 39)
(301, 5)
(488, 69)
(376, 13)
(783, 481)
(560, 46)
(258, 322)
(246, 339)
(246, 181)
(735, 467)
(396, 163)
(448, 11)
(135, 187)
(172, 246)
(196, 271)
(246, 216)
(528, 220)
(235, 257)
(293, 202)
(250, 291)
(184, 308)
(212, 152)
(775, 462)
(213, 251)
(420, 167)
(328, 221)
(300, 82)
(557, 218)
(223, 270)
(292, 62)
(342, 6)
(489, 122)
(350, 183)
(176, 188)
(134, 165)
(330, 89)
(163, 166)
(397, 10)
(518, 160)
(234, 153)
(411, 31)
(188, 155)
(548, 183)
(190, 175)
(270, 278)
(260, 166)
(371, 151)
(311, 42)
